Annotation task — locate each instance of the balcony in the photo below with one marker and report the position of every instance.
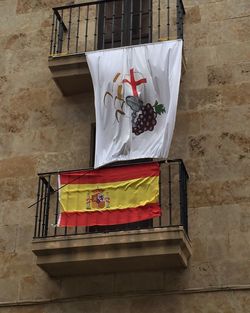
(78, 28)
(153, 244)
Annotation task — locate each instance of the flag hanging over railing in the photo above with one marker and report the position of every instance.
(136, 92)
(109, 196)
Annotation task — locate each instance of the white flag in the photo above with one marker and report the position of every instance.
(136, 93)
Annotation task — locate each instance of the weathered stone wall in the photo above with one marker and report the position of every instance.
(40, 130)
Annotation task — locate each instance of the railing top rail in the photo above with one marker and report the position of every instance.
(114, 165)
(92, 168)
(76, 5)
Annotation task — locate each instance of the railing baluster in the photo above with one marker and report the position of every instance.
(52, 34)
(131, 22)
(184, 195)
(65, 231)
(169, 194)
(181, 192)
(149, 21)
(86, 28)
(57, 210)
(40, 209)
(160, 199)
(37, 207)
(179, 18)
(122, 23)
(113, 24)
(104, 25)
(159, 19)
(69, 29)
(78, 26)
(96, 22)
(66, 228)
(168, 20)
(55, 36)
(182, 13)
(46, 221)
(44, 208)
(60, 34)
(140, 21)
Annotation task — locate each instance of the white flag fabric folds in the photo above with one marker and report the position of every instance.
(136, 93)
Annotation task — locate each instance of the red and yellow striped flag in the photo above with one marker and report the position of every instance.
(109, 196)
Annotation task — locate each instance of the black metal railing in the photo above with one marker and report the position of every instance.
(95, 25)
(172, 198)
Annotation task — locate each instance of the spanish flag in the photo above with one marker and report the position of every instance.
(109, 196)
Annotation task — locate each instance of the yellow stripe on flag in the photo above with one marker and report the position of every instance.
(109, 196)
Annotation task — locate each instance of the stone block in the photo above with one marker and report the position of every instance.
(25, 232)
(196, 35)
(213, 11)
(201, 275)
(179, 148)
(160, 304)
(207, 98)
(235, 95)
(34, 287)
(13, 189)
(234, 272)
(8, 289)
(241, 73)
(241, 10)
(234, 52)
(187, 123)
(238, 141)
(198, 145)
(245, 217)
(138, 282)
(233, 118)
(217, 193)
(199, 58)
(121, 304)
(87, 285)
(76, 158)
(219, 75)
(8, 237)
(193, 15)
(88, 306)
(27, 6)
(3, 83)
(18, 167)
(17, 212)
(195, 79)
(219, 302)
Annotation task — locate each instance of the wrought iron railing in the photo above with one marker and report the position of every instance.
(172, 198)
(95, 25)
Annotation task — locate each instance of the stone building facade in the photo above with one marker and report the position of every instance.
(41, 130)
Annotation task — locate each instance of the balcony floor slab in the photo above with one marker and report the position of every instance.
(147, 249)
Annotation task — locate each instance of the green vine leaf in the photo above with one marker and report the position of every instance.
(159, 108)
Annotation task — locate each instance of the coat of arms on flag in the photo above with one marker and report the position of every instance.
(136, 92)
(143, 115)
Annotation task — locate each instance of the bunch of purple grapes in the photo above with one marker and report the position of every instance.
(146, 119)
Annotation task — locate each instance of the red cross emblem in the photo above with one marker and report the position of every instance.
(134, 83)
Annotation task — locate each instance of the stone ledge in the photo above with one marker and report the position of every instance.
(148, 249)
(71, 74)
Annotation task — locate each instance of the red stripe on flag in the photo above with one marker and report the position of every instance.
(106, 175)
(113, 217)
